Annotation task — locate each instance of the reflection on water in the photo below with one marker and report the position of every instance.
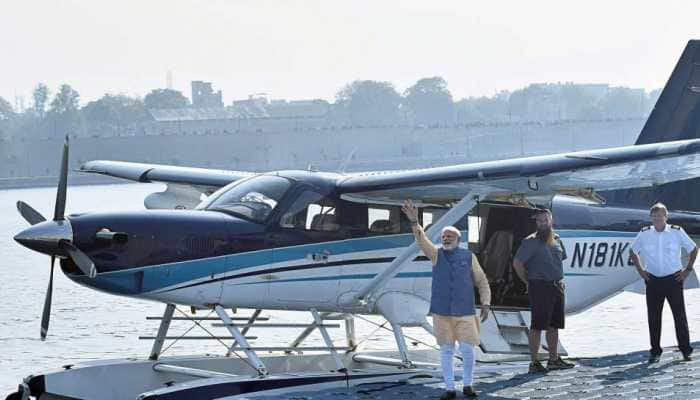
(87, 325)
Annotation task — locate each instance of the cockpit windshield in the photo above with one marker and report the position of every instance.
(252, 199)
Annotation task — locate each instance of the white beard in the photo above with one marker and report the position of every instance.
(450, 246)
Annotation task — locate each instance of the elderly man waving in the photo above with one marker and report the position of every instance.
(455, 273)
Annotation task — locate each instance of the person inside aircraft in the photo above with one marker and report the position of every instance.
(539, 263)
(456, 271)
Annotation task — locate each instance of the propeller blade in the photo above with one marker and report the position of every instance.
(60, 208)
(81, 259)
(29, 214)
(46, 314)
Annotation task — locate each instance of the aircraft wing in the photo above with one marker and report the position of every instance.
(579, 173)
(185, 185)
(567, 173)
(214, 178)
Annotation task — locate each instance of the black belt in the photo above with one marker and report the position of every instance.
(665, 277)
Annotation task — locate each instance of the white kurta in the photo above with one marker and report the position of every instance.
(448, 329)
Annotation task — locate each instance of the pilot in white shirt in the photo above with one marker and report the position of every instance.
(656, 252)
(661, 251)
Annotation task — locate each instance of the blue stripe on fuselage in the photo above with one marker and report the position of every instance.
(367, 276)
(158, 277)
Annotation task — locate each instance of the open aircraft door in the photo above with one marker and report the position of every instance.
(506, 330)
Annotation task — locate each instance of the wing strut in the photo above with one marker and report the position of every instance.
(433, 233)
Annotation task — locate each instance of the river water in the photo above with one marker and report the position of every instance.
(87, 325)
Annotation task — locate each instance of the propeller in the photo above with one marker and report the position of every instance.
(81, 259)
(55, 245)
(62, 188)
(46, 313)
(28, 213)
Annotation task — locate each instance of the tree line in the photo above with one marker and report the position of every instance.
(61, 113)
(428, 102)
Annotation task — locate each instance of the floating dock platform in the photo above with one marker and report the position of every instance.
(624, 376)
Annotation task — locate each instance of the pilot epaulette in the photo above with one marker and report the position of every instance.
(675, 227)
(646, 228)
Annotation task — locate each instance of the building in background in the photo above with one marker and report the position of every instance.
(203, 96)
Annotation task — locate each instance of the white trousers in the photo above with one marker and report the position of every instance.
(447, 352)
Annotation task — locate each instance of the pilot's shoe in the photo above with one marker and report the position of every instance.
(686, 356)
(469, 392)
(448, 395)
(537, 368)
(559, 364)
(654, 358)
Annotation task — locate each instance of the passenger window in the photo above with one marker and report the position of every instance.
(386, 220)
(427, 219)
(380, 221)
(431, 216)
(311, 211)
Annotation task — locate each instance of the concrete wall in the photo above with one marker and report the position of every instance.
(264, 145)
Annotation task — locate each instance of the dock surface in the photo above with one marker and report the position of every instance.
(623, 376)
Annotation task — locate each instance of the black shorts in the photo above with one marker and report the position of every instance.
(547, 302)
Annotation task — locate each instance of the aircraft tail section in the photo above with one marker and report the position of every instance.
(676, 116)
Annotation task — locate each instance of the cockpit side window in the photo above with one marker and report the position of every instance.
(299, 213)
(312, 211)
(322, 218)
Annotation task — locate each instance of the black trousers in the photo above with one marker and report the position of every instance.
(659, 290)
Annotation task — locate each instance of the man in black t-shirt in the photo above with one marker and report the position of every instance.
(538, 263)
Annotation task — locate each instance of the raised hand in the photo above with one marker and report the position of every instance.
(410, 210)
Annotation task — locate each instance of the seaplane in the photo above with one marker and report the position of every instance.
(337, 245)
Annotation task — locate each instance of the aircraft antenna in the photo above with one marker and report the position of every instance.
(344, 165)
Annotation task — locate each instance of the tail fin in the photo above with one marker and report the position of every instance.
(676, 116)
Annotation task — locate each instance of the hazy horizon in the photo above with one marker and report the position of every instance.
(311, 49)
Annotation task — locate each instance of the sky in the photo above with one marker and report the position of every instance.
(295, 49)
